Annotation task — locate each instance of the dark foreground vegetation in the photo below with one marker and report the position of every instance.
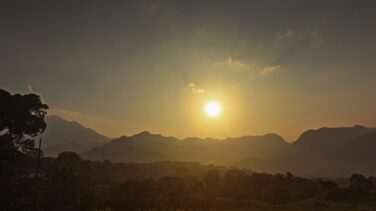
(70, 183)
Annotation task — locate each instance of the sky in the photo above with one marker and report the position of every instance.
(121, 67)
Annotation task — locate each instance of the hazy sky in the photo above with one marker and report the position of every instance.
(121, 67)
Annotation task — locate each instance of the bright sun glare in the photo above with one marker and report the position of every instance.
(213, 109)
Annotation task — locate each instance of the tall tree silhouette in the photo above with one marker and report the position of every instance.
(21, 120)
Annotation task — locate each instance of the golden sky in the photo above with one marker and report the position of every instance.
(129, 66)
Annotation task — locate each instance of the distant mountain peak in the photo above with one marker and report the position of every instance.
(62, 135)
(144, 133)
(147, 147)
(359, 126)
(330, 135)
(55, 118)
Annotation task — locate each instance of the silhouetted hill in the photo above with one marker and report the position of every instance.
(146, 147)
(324, 152)
(143, 147)
(62, 135)
(321, 152)
(357, 154)
(330, 136)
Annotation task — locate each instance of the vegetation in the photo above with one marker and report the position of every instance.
(71, 183)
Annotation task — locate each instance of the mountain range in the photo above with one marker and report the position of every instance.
(147, 147)
(316, 153)
(62, 135)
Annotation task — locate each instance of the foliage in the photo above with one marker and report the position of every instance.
(21, 119)
(360, 183)
(69, 183)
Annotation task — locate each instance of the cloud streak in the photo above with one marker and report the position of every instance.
(193, 88)
(285, 35)
(268, 69)
(31, 90)
(233, 64)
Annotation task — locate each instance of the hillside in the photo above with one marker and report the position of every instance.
(317, 153)
(147, 147)
(324, 152)
(62, 135)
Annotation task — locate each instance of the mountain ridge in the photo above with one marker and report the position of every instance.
(63, 135)
(323, 151)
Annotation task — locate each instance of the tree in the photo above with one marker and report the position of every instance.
(132, 195)
(170, 193)
(235, 184)
(257, 183)
(21, 120)
(326, 185)
(275, 194)
(289, 175)
(360, 183)
(68, 186)
(213, 181)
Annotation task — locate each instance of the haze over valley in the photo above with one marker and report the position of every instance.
(187, 105)
(324, 152)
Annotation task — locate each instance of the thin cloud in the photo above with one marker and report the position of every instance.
(268, 69)
(31, 90)
(301, 42)
(285, 35)
(193, 88)
(233, 64)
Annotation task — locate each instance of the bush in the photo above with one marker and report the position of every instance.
(342, 195)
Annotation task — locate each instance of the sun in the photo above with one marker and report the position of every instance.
(213, 109)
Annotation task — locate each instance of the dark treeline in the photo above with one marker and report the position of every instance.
(70, 183)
